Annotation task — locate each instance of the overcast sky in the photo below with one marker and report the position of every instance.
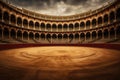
(60, 7)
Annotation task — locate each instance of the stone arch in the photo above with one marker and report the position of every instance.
(48, 36)
(31, 36)
(54, 36)
(106, 33)
(106, 18)
(99, 34)
(88, 24)
(82, 36)
(6, 17)
(112, 33)
(36, 25)
(88, 36)
(13, 19)
(94, 35)
(43, 36)
(6, 33)
(82, 25)
(43, 26)
(70, 27)
(60, 27)
(65, 26)
(25, 23)
(59, 36)
(37, 36)
(31, 24)
(76, 26)
(48, 27)
(65, 36)
(19, 34)
(100, 20)
(94, 23)
(54, 27)
(71, 37)
(112, 16)
(13, 33)
(25, 35)
(19, 21)
(77, 36)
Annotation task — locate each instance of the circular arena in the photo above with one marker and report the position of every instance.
(36, 46)
(60, 63)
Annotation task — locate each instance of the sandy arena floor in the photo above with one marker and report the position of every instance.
(60, 63)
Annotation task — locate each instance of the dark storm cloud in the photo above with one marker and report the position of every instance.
(60, 7)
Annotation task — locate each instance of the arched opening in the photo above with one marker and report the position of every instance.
(36, 25)
(48, 27)
(42, 26)
(88, 24)
(54, 36)
(112, 33)
(6, 17)
(65, 27)
(82, 25)
(70, 37)
(13, 34)
(60, 36)
(6, 33)
(19, 34)
(106, 18)
(19, 21)
(118, 31)
(112, 17)
(99, 34)
(13, 19)
(25, 35)
(82, 36)
(65, 36)
(88, 36)
(25, 23)
(100, 21)
(59, 27)
(71, 27)
(43, 36)
(31, 36)
(1, 14)
(54, 27)
(48, 37)
(106, 33)
(94, 35)
(76, 26)
(0, 33)
(76, 36)
(94, 23)
(37, 36)
(118, 14)
(31, 25)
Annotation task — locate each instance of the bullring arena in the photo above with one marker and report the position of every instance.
(36, 46)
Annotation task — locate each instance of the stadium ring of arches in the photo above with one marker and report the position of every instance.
(103, 25)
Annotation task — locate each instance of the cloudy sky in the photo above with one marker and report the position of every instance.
(60, 7)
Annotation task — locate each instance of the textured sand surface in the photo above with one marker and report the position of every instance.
(60, 63)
